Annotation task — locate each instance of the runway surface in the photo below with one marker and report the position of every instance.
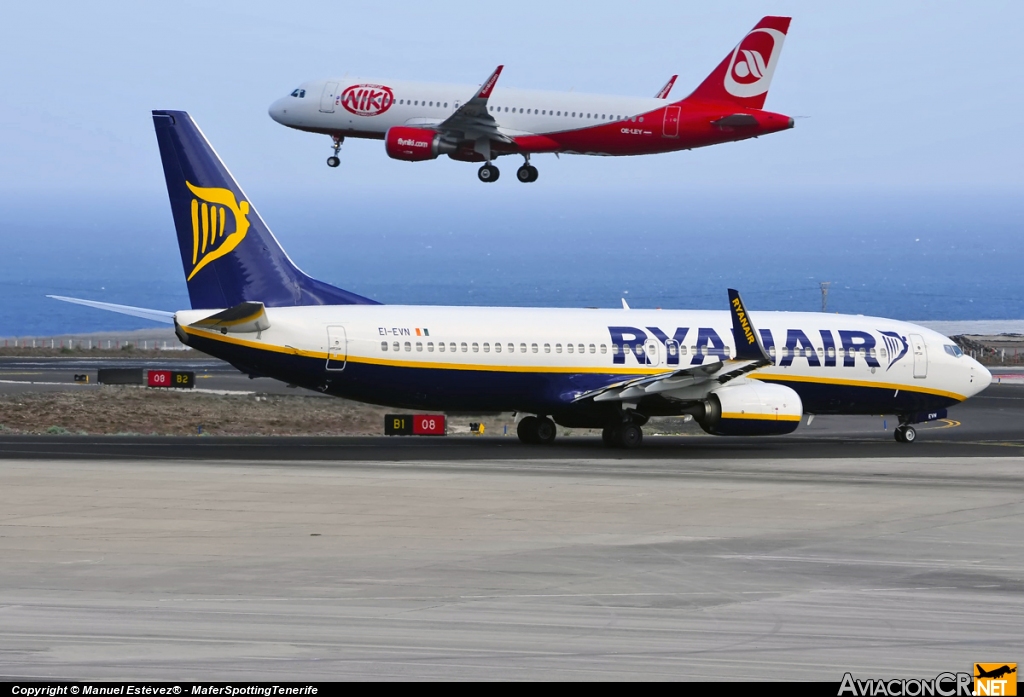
(696, 557)
(510, 569)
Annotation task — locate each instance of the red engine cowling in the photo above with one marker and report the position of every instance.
(414, 144)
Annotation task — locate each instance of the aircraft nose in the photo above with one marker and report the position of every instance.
(279, 110)
(980, 378)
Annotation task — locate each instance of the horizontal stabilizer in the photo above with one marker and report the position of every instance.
(161, 316)
(244, 318)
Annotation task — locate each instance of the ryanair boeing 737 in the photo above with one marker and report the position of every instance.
(736, 373)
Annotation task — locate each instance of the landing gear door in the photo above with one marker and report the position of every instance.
(920, 350)
(327, 99)
(337, 348)
(671, 125)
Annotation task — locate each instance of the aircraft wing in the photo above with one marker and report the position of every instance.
(663, 92)
(694, 382)
(472, 120)
(144, 312)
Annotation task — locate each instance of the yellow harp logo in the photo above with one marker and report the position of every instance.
(210, 238)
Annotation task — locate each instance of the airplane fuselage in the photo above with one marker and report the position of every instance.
(534, 121)
(541, 360)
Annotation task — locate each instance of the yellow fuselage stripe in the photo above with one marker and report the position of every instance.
(761, 417)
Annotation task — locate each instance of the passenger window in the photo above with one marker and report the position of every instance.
(771, 352)
(476, 347)
(641, 119)
(882, 353)
(446, 105)
(682, 350)
(558, 348)
(487, 347)
(533, 347)
(831, 352)
(568, 348)
(671, 348)
(592, 347)
(440, 347)
(574, 114)
(497, 347)
(465, 347)
(639, 349)
(383, 346)
(395, 346)
(430, 347)
(626, 349)
(547, 348)
(408, 346)
(451, 347)
(419, 345)
(522, 348)
(871, 352)
(615, 349)
(511, 348)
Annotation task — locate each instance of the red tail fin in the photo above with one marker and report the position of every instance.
(744, 76)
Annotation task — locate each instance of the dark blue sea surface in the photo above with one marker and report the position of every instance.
(951, 256)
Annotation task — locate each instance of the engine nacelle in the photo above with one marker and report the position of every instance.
(415, 144)
(753, 408)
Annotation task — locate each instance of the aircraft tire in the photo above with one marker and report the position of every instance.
(488, 174)
(527, 174)
(333, 161)
(907, 434)
(608, 437)
(545, 431)
(629, 436)
(527, 430)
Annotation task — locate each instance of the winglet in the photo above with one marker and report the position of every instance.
(748, 344)
(663, 92)
(485, 89)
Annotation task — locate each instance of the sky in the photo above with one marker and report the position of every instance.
(909, 122)
(907, 95)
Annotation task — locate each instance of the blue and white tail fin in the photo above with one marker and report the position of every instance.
(228, 253)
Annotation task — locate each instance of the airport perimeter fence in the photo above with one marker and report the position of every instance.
(95, 344)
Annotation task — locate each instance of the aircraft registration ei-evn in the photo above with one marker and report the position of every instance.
(736, 373)
(422, 121)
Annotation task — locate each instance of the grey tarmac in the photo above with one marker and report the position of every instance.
(518, 568)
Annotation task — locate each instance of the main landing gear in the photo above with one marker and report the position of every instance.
(488, 173)
(905, 433)
(333, 160)
(625, 435)
(536, 430)
(527, 173)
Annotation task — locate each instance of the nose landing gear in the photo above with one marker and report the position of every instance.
(333, 160)
(488, 173)
(905, 433)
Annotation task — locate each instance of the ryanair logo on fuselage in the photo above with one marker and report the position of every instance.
(214, 232)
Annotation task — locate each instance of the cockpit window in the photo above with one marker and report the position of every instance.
(953, 350)
(300, 93)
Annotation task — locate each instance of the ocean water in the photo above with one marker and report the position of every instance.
(950, 256)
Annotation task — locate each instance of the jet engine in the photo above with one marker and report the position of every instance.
(753, 408)
(415, 144)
